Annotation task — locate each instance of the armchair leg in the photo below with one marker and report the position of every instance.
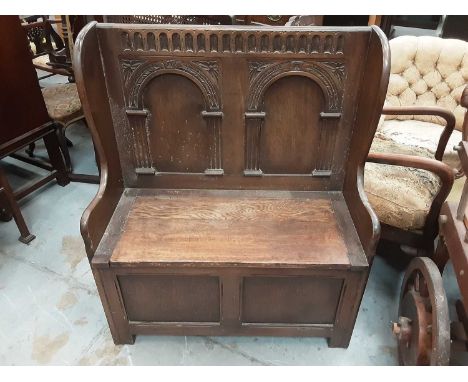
(460, 173)
(441, 255)
(52, 143)
(63, 141)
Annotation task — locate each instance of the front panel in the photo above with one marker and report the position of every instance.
(231, 300)
(290, 300)
(170, 298)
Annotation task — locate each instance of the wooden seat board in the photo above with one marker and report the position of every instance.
(195, 228)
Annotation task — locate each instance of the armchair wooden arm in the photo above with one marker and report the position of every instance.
(428, 110)
(443, 171)
(464, 103)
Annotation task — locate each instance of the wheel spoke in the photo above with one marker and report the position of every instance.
(417, 281)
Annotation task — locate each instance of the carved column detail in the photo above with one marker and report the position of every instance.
(253, 128)
(213, 122)
(326, 147)
(138, 120)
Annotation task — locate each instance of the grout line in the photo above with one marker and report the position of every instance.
(93, 341)
(239, 352)
(66, 279)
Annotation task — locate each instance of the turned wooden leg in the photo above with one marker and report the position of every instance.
(56, 159)
(7, 194)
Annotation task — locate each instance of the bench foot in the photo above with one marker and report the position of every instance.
(124, 340)
(340, 339)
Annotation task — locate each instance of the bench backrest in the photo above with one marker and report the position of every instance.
(236, 107)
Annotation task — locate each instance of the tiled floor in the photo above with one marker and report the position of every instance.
(51, 313)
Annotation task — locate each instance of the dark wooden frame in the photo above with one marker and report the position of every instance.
(453, 245)
(24, 118)
(423, 241)
(45, 26)
(102, 221)
(48, 132)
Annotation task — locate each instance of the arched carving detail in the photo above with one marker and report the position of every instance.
(328, 75)
(138, 74)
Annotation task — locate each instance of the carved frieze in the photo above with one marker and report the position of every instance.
(233, 42)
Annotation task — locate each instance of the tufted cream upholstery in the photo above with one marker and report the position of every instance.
(425, 71)
(428, 71)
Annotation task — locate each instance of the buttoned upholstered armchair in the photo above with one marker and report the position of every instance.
(413, 155)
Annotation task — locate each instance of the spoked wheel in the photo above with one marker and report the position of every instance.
(423, 327)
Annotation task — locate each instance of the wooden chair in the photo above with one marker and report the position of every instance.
(231, 199)
(51, 54)
(423, 117)
(41, 34)
(23, 119)
(169, 19)
(64, 107)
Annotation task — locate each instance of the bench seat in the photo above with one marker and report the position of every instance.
(230, 228)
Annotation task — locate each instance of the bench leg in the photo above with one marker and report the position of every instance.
(7, 194)
(353, 289)
(115, 312)
(340, 338)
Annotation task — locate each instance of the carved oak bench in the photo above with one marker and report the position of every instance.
(231, 199)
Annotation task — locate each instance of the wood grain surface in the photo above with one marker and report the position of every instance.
(225, 229)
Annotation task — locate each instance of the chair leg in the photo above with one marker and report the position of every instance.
(5, 213)
(30, 149)
(52, 143)
(441, 255)
(64, 147)
(26, 236)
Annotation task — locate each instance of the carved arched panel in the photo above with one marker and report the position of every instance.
(178, 135)
(285, 149)
(329, 77)
(174, 113)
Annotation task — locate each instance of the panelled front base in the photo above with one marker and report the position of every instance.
(234, 301)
